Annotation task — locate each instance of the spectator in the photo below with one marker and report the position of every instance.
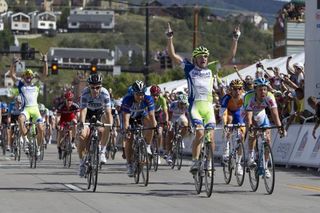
(314, 104)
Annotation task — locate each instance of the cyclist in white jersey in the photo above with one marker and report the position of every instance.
(255, 103)
(29, 93)
(200, 85)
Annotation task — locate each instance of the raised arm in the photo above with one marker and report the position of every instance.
(290, 70)
(237, 71)
(12, 70)
(170, 48)
(236, 34)
(44, 73)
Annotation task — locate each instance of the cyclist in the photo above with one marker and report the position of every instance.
(5, 122)
(178, 112)
(161, 113)
(68, 112)
(14, 111)
(44, 112)
(94, 101)
(140, 107)
(200, 85)
(232, 112)
(255, 104)
(29, 93)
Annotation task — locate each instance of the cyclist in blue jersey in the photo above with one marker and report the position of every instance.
(200, 85)
(137, 107)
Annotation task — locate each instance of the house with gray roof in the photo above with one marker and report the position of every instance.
(81, 56)
(41, 22)
(20, 22)
(88, 20)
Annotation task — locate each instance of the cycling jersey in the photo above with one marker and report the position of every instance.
(259, 114)
(68, 114)
(200, 85)
(178, 114)
(13, 109)
(160, 104)
(29, 93)
(234, 108)
(137, 109)
(95, 105)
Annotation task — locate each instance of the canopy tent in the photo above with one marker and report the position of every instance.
(180, 85)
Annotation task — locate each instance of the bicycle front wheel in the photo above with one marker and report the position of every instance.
(208, 160)
(254, 173)
(269, 169)
(179, 153)
(240, 163)
(155, 154)
(144, 162)
(198, 176)
(95, 165)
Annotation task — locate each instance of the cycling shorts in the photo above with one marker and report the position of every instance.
(202, 113)
(33, 113)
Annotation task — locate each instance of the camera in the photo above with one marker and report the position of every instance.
(259, 65)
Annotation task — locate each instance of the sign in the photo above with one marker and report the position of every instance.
(116, 70)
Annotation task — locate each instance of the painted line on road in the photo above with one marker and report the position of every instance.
(73, 187)
(305, 187)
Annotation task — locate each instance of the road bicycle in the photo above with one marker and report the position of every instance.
(16, 143)
(177, 147)
(66, 144)
(263, 158)
(91, 158)
(206, 164)
(236, 157)
(32, 144)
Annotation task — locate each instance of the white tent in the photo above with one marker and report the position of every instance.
(179, 85)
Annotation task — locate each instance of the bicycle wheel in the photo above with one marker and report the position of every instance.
(254, 173)
(69, 154)
(240, 153)
(95, 165)
(208, 160)
(30, 154)
(179, 153)
(113, 151)
(108, 148)
(3, 140)
(135, 163)
(269, 181)
(88, 169)
(42, 151)
(155, 154)
(35, 157)
(144, 161)
(227, 168)
(198, 176)
(174, 153)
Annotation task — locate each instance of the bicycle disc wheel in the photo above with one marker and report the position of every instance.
(269, 182)
(95, 166)
(253, 173)
(208, 169)
(240, 153)
(179, 153)
(144, 162)
(198, 176)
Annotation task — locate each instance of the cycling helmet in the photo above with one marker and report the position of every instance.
(28, 72)
(261, 82)
(130, 90)
(18, 99)
(42, 107)
(182, 98)
(201, 50)
(117, 103)
(138, 87)
(236, 83)
(4, 106)
(155, 90)
(69, 95)
(94, 79)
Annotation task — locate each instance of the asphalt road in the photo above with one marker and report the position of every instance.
(52, 188)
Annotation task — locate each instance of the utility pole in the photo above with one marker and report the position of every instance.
(146, 72)
(195, 26)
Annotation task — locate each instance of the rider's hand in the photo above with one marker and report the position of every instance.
(282, 132)
(236, 33)
(80, 126)
(169, 32)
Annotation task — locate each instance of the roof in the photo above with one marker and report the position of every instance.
(79, 52)
(104, 18)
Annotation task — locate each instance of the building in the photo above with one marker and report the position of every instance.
(81, 56)
(42, 22)
(20, 22)
(288, 38)
(88, 20)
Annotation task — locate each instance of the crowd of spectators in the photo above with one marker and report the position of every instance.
(287, 86)
(292, 12)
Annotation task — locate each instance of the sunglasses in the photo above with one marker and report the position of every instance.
(139, 93)
(237, 88)
(95, 88)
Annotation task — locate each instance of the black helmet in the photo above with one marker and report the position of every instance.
(138, 86)
(94, 79)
